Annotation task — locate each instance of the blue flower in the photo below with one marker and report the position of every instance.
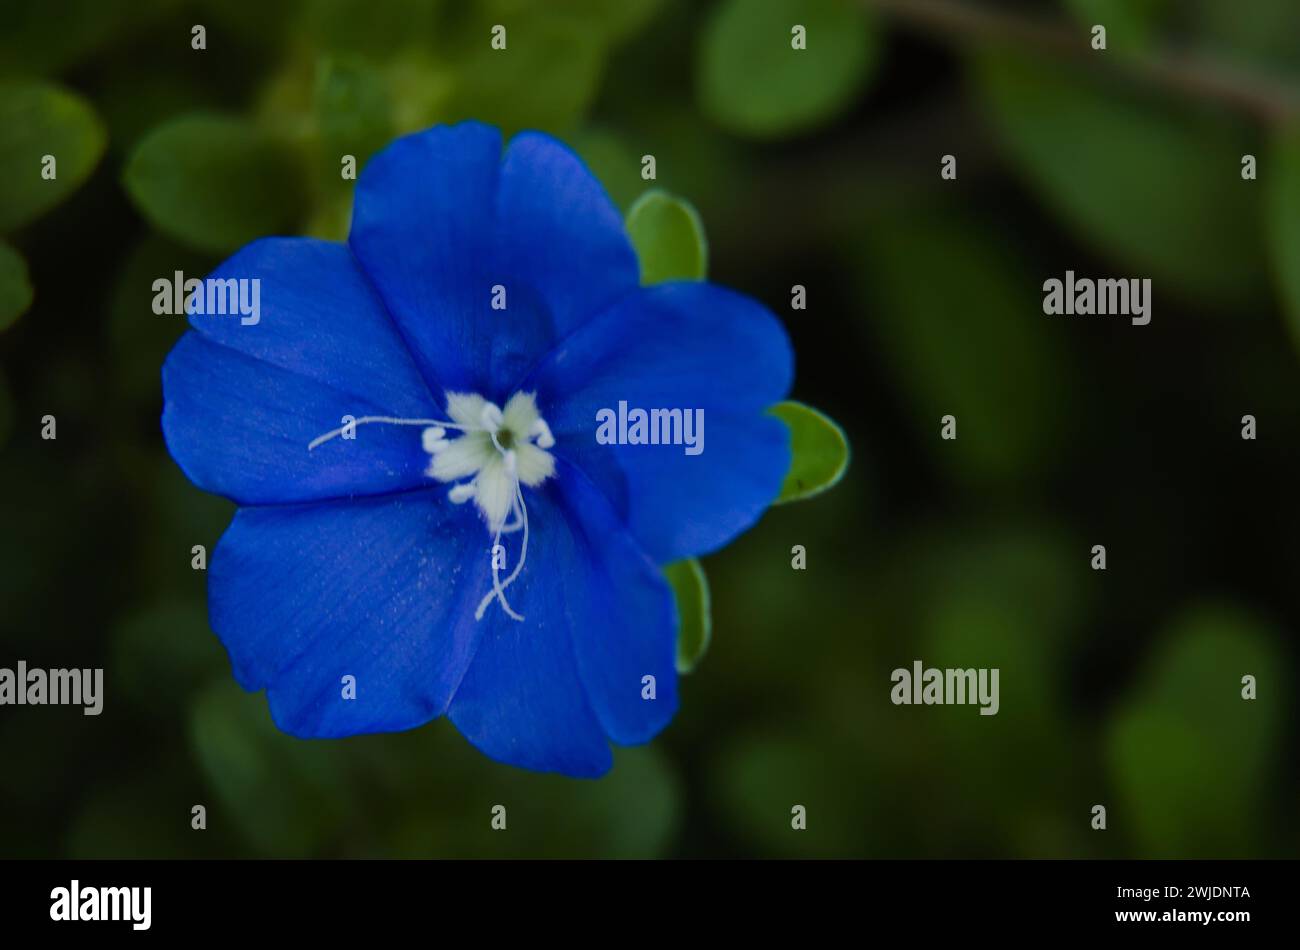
(466, 546)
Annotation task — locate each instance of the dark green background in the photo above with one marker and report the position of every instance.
(819, 168)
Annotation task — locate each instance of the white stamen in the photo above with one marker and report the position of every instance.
(498, 586)
(434, 439)
(542, 433)
(522, 510)
(490, 418)
(470, 457)
(389, 420)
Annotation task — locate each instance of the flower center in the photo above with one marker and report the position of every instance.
(497, 453)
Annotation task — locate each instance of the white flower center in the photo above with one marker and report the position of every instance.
(496, 453)
(497, 449)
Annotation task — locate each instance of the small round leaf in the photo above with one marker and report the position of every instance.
(695, 619)
(754, 81)
(39, 120)
(214, 182)
(669, 238)
(818, 449)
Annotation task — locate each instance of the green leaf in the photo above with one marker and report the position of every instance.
(1137, 178)
(37, 119)
(694, 617)
(15, 288)
(215, 182)
(819, 452)
(754, 83)
(1190, 757)
(669, 238)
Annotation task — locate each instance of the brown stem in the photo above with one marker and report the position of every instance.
(1183, 74)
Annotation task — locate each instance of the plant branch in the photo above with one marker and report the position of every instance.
(1183, 74)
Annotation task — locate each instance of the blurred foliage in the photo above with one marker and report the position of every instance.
(15, 288)
(42, 38)
(6, 411)
(139, 344)
(1139, 179)
(1130, 24)
(446, 791)
(973, 345)
(215, 183)
(816, 167)
(40, 120)
(50, 141)
(1283, 201)
(1262, 41)
(1192, 760)
(756, 81)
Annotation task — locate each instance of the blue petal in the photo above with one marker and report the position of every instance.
(560, 234)
(381, 589)
(321, 319)
(679, 506)
(622, 615)
(545, 693)
(676, 345)
(242, 401)
(240, 427)
(440, 219)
